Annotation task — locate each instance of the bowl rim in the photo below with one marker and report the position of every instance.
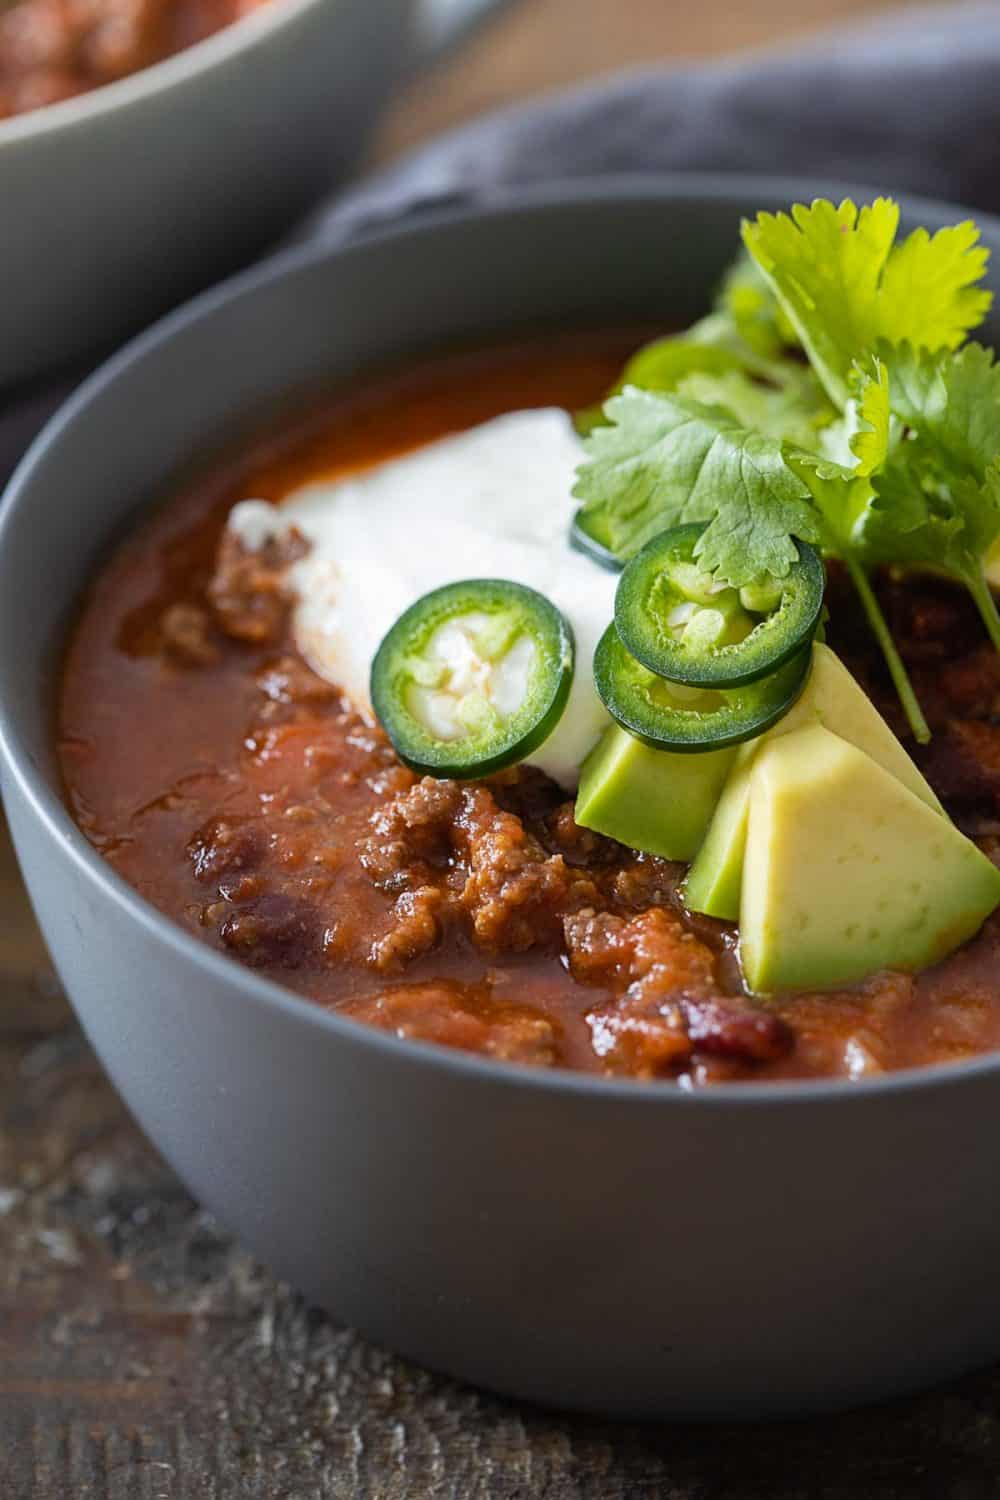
(241, 35)
(48, 807)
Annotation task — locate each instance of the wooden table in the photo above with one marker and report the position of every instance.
(144, 1356)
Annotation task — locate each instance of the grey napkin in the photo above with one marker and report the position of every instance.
(909, 102)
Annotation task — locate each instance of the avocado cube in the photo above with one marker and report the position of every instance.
(847, 871)
(831, 698)
(655, 800)
(716, 876)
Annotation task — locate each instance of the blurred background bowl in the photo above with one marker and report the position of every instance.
(121, 201)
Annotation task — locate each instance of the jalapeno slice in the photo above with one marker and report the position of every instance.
(586, 535)
(675, 716)
(682, 624)
(472, 677)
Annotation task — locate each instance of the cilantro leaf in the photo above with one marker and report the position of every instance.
(937, 501)
(901, 526)
(712, 347)
(746, 333)
(953, 534)
(842, 488)
(842, 499)
(871, 439)
(666, 459)
(928, 295)
(795, 411)
(845, 284)
(747, 309)
(845, 498)
(661, 366)
(950, 401)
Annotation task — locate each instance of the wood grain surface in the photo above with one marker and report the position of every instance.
(145, 1356)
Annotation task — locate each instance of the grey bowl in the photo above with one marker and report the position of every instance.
(120, 202)
(623, 1248)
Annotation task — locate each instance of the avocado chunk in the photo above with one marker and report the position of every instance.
(848, 872)
(831, 698)
(653, 800)
(715, 878)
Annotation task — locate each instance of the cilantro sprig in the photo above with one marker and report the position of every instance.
(884, 449)
(845, 284)
(666, 459)
(937, 502)
(845, 497)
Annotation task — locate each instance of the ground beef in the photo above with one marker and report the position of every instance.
(528, 792)
(653, 950)
(412, 834)
(515, 894)
(578, 846)
(247, 591)
(462, 1016)
(417, 926)
(490, 873)
(451, 856)
(669, 1008)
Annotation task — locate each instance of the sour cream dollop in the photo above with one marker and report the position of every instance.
(492, 502)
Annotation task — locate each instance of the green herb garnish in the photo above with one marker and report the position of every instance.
(745, 341)
(665, 460)
(845, 497)
(845, 284)
(885, 449)
(937, 499)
